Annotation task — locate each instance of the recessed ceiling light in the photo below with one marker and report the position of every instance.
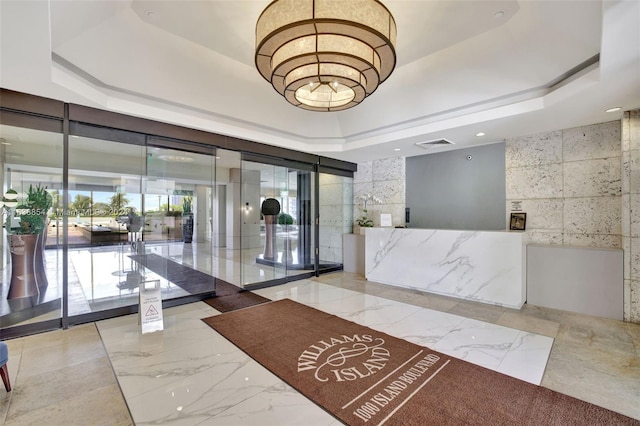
(396, 149)
(614, 109)
(480, 134)
(499, 14)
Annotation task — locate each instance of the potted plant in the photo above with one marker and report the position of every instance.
(26, 226)
(187, 219)
(364, 221)
(285, 219)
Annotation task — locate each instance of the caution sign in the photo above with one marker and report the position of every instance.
(150, 309)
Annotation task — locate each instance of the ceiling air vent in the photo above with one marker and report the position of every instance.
(434, 143)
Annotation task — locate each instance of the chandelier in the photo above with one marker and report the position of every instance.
(325, 55)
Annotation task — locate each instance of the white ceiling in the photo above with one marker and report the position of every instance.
(460, 70)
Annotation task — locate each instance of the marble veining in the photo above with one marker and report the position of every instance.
(481, 266)
(592, 359)
(203, 379)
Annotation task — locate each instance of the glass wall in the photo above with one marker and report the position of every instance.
(139, 213)
(179, 196)
(31, 263)
(336, 217)
(97, 212)
(105, 194)
(277, 221)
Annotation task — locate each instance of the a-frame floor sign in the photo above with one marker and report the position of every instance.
(150, 307)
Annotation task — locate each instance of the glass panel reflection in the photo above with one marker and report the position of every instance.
(104, 200)
(336, 217)
(31, 183)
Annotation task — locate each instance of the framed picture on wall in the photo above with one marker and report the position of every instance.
(518, 221)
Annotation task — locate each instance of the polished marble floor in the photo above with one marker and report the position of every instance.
(108, 373)
(106, 277)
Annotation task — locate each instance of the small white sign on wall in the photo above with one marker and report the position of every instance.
(516, 206)
(150, 308)
(385, 220)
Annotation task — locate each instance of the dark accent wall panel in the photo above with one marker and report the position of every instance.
(18, 101)
(115, 120)
(29, 121)
(111, 122)
(461, 189)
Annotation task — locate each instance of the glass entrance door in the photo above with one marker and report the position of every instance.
(277, 221)
(179, 197)
(31, 284)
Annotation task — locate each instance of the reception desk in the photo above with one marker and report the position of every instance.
(484, 266)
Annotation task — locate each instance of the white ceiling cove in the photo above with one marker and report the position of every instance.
(505, 68)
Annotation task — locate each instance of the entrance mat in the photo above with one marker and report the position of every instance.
(228, 300)
(228, 296)
(187, 278)
(362, 376)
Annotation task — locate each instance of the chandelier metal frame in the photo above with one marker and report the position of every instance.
(325, 55)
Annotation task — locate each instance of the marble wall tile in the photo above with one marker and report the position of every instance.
(541, 213)
(389, 169)
(384, 179)
(625, 216)
(635, 259)
(626, 291)
(626, 262)
(544, 181)
(364, 173)
(534, 150)
(633, 171)
(389, 191)
(600, 140)
(544, 237)
(397, 214)
(593, 240)
(634, 214)
(625, 172)
(592, 178)
(624, 128)
(360, 189)
(592, 215)
(396, 211)
(634, 129)
(634, 315)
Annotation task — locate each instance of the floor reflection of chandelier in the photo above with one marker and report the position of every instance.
(325, 55)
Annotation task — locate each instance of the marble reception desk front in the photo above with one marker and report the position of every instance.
(484, 266)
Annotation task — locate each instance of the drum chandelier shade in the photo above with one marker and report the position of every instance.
(325, 55)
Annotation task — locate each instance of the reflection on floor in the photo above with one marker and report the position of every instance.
(190, 375)
(106, 277)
